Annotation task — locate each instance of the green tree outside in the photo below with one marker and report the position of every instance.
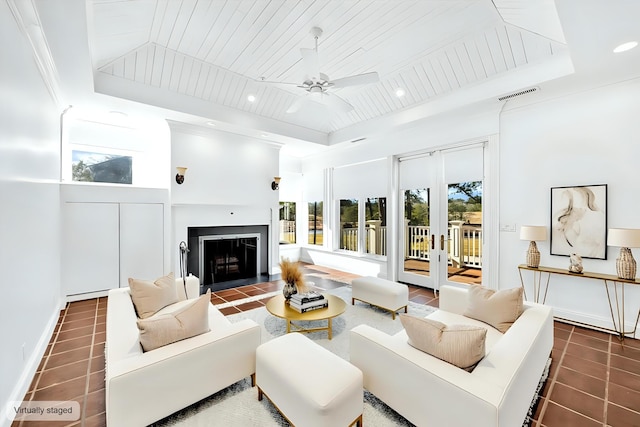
(81, 172)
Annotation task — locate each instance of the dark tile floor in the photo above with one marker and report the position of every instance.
(594, 380)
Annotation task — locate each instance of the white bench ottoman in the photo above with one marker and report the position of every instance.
(382, 293)
(308, 384)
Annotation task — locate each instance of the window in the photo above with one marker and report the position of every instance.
(287, 222)
(376, 225)
(113, 149)
(90, 166)
(315, 223)
(349, 224)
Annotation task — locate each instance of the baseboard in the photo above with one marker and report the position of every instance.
(345, 261)
(31, 366)
(591, 321)
(88, 295)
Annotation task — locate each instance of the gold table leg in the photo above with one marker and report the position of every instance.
(618, 317)
(328, 328)
(537, 286)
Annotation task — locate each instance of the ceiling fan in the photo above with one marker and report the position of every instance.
(317, 84)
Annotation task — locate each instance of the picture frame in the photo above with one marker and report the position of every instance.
(579, 221)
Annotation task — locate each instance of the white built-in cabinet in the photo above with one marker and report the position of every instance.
(105, 243)
(92, 256)
(141, 241)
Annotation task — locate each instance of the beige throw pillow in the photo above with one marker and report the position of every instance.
(149, 297)
(460, 345)
(163, 329)
(497, 308)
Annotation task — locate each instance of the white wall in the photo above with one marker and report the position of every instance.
(228, 182)
(448, 128)
(586, 138)
(29, 213)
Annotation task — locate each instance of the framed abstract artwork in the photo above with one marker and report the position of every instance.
(579, 221)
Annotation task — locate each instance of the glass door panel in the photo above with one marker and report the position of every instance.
(417, 242)
(464, 232)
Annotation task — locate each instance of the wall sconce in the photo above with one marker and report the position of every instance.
(180, 174)
(276, 183)
(533, 233)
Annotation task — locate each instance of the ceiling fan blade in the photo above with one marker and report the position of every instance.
(334, 102)
(273, 82)
(310, 63)
(360, 79)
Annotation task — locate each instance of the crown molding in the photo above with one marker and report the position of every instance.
(26, 16)
(199, 130)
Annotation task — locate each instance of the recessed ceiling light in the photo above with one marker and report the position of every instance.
(399, 92)
(625, 47)
(264, 135)
(211, 123)
(251, 98)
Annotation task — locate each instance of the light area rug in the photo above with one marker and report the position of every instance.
(238, 404)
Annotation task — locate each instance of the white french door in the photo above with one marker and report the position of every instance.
(440, 216)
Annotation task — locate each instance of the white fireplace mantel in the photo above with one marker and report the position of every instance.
(203, 215)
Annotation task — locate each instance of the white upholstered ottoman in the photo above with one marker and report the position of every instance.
(382, 293)
(308, 384)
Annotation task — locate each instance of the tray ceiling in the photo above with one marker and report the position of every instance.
(207, 56)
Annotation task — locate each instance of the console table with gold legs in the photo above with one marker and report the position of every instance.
(614, 287)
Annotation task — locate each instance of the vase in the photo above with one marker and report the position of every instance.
(626, 265)
(288, 290)
(533, 255)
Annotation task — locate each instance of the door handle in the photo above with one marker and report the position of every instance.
(442, 242)
(433, 242)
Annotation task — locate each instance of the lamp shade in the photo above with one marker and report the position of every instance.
(533, 232)
(624, 237)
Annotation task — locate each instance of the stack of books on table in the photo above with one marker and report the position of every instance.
(307, 301)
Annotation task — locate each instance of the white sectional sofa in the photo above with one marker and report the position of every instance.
(431, 392)
(143, 387)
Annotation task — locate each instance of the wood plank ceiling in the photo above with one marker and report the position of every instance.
(222, 51)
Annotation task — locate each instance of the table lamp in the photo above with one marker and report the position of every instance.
(625, 238)
(533, 233)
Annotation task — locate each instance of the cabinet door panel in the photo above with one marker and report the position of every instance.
(90, 258)
(141, 241)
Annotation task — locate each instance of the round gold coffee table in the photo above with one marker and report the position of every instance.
(279, 308)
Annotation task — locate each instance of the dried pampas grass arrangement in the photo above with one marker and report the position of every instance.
(292, 273)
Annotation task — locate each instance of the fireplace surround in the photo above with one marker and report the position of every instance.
(228, 257)
(221, 255)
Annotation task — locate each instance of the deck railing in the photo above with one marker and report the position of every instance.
(287, 231)
(464, 242)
